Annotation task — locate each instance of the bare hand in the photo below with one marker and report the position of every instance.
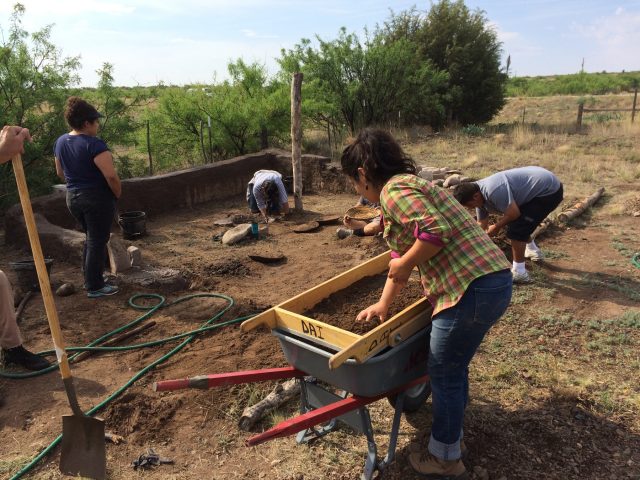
(376, 310)
(493, 230)
(12, 142)
(347, 221)
(399, 272)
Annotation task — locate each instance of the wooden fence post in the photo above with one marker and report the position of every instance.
(580, 110)
(296, 138)
(149, 149)
(633, 109)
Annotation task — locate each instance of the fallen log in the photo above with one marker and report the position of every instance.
(115, 340)
(280, 394)
(580, 207)
(546, 223)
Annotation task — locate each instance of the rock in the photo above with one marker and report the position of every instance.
(118, 256)
(236, 234)
(66, 289)
(636, 214)
(167, 279)
(452, 180)
(135, 256)
(465, 179)
(223, 222)
(481, 472)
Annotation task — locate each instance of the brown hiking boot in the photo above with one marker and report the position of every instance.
(433, 468)
(419, 447)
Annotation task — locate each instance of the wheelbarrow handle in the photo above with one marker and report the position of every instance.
(232, 378)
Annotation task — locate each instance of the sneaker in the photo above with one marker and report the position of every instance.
(521, 277)
(24, 358)
(533, 254)
(417, 447)
(435, 469)
(343, 233)
(103, 292)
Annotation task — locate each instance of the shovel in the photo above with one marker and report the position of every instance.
(83, 445)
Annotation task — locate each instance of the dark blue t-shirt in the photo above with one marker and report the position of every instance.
(76, 154)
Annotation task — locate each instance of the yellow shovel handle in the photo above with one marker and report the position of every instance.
(41, 269)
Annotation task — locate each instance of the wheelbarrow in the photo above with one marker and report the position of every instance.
(339, 372)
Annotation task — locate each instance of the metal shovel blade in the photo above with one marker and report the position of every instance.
(83, 447)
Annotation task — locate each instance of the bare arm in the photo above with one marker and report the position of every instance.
(484, 223)
(104, 162)
(59, 170)
(510, 214)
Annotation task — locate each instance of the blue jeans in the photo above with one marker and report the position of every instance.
(456, 334)
(273, 207)
(94, 209)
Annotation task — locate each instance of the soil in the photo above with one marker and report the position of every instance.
(552, 387)
(341, 308)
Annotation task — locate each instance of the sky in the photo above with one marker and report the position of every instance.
(191, 41)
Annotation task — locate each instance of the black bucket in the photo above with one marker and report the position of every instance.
(133, 224)
(27, 274)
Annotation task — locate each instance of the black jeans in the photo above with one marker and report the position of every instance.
(94, 209)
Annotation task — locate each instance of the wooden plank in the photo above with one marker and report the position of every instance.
(311, 297)
(410, 328)
(378, 338)
(266, 318)
(323, 332)
(607, 110)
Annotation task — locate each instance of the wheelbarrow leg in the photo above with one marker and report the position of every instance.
(372, 464)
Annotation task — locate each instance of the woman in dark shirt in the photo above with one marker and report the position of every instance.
(85, 164)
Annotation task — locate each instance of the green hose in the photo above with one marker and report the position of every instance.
(635, 260)
(188, 336)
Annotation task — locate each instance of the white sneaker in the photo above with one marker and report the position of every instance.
(520, 277)
(533, 254)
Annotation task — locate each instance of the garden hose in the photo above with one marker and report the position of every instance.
(635, 260)
(207, 326)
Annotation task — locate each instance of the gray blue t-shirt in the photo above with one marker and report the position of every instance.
(519, 185)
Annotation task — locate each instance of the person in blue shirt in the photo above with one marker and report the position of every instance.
(85, 164)
(266, 194)
(523, 197)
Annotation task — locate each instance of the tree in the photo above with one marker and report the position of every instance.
(34, 78)
(462, 43)
(118, 127)
(358, 84)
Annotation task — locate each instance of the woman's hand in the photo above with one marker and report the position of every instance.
(379, 310)
(347, 221)
(399, 271)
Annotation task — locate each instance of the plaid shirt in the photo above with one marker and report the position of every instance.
(414, 208)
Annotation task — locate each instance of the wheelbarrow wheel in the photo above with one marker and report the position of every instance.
(414, 397)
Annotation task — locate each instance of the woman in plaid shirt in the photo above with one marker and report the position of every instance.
(466, 277)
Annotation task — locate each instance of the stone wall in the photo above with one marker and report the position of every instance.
(176, 190)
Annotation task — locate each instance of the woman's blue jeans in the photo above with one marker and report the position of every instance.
(94, 209)
(456, 334)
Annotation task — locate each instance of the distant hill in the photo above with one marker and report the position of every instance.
(574, 84)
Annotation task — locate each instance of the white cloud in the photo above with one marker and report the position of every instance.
(612, 40)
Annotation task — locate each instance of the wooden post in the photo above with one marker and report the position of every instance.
(296, 138)
(210, 141)
(149, 149)
(633, 109)
(580, 110)
(524, 113)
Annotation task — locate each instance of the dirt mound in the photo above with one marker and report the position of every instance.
(140, 418)
(341, 308)
(632, 205)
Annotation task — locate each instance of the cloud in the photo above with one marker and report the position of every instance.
(612, 40)
(503, 35)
